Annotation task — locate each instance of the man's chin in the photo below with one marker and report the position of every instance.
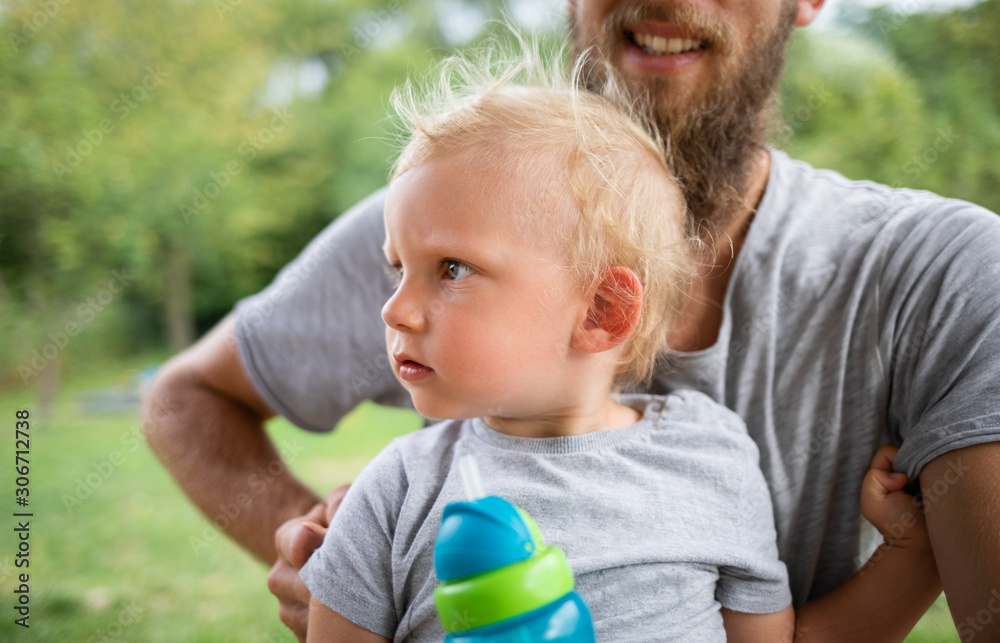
(711, 115)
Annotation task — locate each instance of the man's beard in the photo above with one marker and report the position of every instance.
(713, 140)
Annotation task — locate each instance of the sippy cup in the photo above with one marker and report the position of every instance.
(500, 582)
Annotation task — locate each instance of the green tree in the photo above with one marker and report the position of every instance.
(196, 146)
(910, 99)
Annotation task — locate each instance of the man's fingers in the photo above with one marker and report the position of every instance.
(285, 583)
(296, 541)
(317, 514)
(293, 597)
(295, 618)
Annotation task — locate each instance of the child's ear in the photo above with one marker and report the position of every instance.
(613, 313)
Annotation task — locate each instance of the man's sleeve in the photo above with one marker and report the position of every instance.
(351, 572)
(313, 342)
(945, 370)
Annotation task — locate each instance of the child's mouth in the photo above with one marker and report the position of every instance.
(412, 371)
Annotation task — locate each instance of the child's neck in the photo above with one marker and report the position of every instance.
(601, 415)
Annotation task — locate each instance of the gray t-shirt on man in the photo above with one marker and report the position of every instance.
(855, 315)
(662, 522)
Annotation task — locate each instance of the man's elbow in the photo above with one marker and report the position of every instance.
(172, 390)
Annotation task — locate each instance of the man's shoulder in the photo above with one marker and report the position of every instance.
(817, 220)
(797, 189)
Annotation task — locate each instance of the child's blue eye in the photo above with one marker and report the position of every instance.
(456, 270)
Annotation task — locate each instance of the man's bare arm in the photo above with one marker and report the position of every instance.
(961, 494)
(204, 420)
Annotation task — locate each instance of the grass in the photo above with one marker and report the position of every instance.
(111, 557)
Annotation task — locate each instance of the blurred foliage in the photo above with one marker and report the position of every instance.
(910, 100)
(196, 146)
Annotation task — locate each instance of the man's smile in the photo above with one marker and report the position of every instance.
(659, 39)
(648, 49)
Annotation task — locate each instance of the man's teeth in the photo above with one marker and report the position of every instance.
(660, 45)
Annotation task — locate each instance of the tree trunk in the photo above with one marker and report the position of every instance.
(180, 319)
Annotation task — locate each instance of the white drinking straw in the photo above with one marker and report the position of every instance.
(473, 482)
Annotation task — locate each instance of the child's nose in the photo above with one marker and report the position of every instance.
(402, 312)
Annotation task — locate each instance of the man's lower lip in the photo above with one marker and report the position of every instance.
(665, 64)
(412, 371)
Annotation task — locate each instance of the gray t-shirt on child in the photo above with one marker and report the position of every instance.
(661, 522)
(856, 315)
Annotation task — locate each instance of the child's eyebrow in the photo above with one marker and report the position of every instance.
(448, 245)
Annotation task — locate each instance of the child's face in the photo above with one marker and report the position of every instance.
(482, 320)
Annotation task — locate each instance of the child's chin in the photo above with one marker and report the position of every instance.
(437, 410)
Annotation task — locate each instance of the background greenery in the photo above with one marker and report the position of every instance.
(259, 122)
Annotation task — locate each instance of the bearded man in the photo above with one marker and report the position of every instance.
(832, 315)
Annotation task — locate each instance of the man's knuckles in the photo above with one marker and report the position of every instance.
(295, 618)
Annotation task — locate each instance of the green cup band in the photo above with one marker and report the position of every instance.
(504, 593)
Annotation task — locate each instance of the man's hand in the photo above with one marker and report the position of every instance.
(295, 541)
